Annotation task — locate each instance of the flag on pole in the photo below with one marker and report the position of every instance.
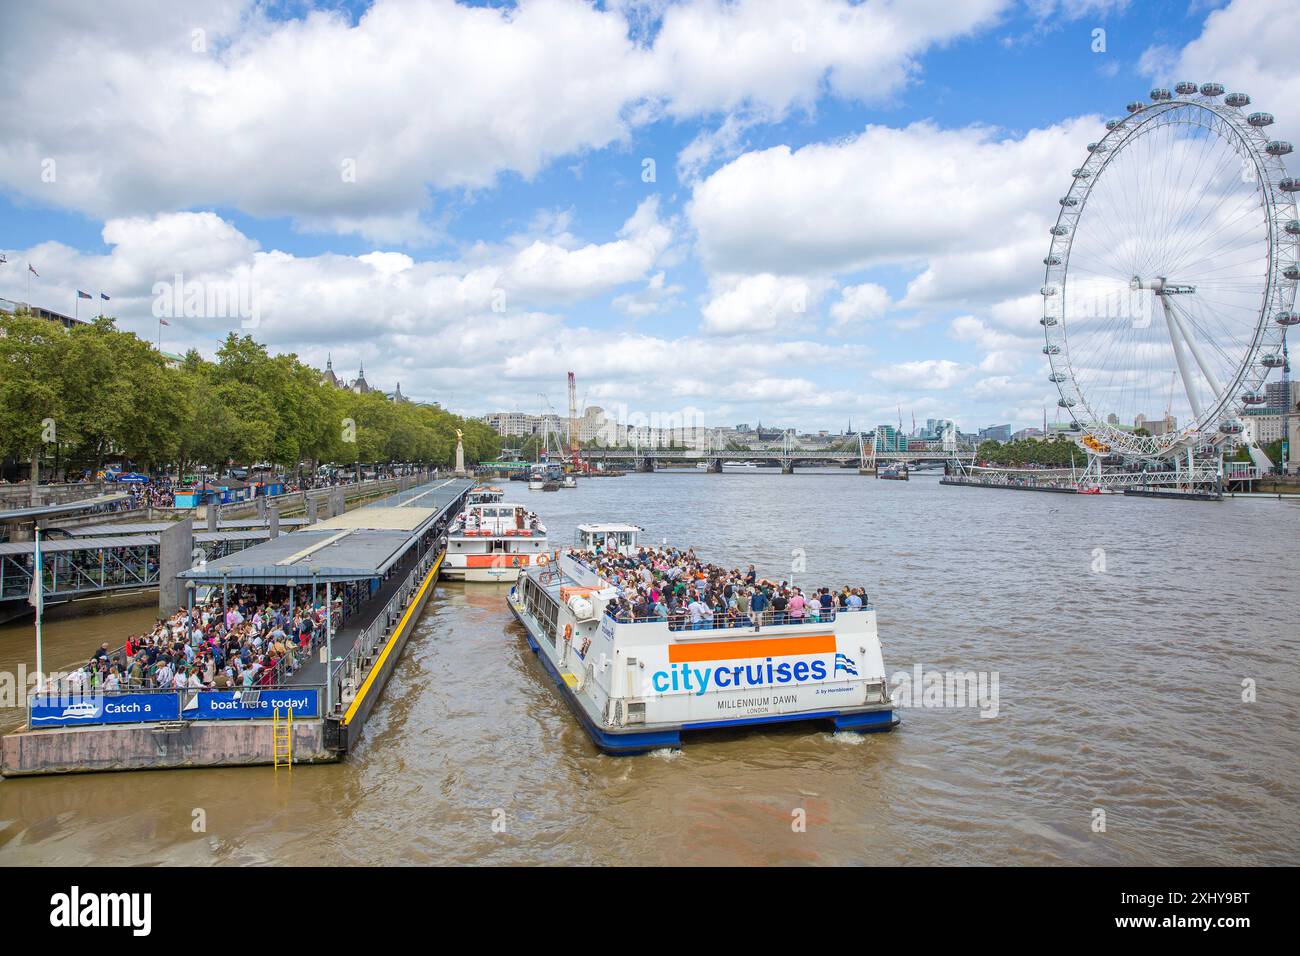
(164, 322)
(84, 295)
(35, 595)
(33, 270)
(104, 296)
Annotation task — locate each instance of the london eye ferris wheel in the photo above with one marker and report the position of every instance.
(1171, 277)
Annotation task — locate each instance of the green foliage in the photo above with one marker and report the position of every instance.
(1053, 452)
(112, 396)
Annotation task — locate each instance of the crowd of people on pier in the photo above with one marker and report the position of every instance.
(676, 586)
(156, 494)
(256, 639)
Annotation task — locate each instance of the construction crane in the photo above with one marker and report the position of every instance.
(575, 450)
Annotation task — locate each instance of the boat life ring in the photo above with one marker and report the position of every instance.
(542, 560)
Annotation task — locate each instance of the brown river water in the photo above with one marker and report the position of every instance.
(1120, 689)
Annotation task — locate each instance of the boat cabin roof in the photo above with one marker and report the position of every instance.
(608, 528)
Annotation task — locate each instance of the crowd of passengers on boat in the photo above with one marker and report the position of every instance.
(677, 587)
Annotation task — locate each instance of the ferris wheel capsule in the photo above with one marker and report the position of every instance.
(1135, 106)
(1273, 360)
(1082, 173)
(1237, 99)
(1060, 230)
(1292, 227)
(1051, 350)
(1231, 426)
(1278, 147)
(1113, 123)
(1052, 260)
(1288, 318)
(1292, 271)
(1260, 119)
(1048, 320)
(1048, 290)
(1211, 89)
(1159, 94)
(1069, 201)
(1066, 402)
(1057, 377)
(1253, 398)
(1098, 148)
(1185, 88)
(1289, 185)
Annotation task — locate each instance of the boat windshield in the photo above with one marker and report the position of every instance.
(598, 539)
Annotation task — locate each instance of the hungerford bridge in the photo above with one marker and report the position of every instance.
(1186, 471)
(865, 457)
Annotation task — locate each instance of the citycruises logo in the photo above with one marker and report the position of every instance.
(716, 665)
(77, 909)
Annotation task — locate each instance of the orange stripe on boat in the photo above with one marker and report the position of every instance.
(506, 559)
(743, 650)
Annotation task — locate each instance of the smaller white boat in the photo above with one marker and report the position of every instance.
(568, 481)
(739, 466)
(494, 542)
(536, 481)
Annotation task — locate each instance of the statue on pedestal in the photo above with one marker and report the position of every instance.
(460, 452)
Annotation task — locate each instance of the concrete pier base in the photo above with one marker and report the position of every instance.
(787, 468)
(229, 743)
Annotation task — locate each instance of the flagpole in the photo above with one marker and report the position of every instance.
(38, 590)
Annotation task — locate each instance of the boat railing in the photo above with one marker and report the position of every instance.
(767, 618)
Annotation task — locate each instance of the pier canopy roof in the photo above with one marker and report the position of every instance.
(353, 546)
(71, 507)
(111, 542)
(305, 556)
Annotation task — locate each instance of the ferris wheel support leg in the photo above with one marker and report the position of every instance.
(1196, 349)
(1180, 356)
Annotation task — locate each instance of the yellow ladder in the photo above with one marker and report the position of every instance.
(282, 738)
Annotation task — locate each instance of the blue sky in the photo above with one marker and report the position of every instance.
(497, 230)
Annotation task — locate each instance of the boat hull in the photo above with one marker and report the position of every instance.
(482, 575)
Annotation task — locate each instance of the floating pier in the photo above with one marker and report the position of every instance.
(392, 549)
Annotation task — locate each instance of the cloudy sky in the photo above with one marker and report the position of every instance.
(800, 211)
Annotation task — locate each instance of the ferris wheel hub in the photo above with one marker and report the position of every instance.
(1160, 286)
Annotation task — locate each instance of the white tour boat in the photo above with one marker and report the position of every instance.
(493, 542)
(638, 685)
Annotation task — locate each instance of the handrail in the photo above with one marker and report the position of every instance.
(353, 667)
(768, 618)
